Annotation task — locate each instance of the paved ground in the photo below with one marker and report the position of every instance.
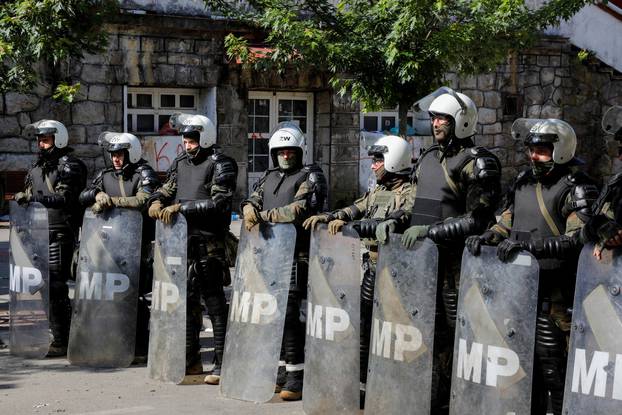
(52, 386)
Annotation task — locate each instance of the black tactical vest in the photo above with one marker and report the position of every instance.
(279, 189)
(44, 184)
(438, 196)
(538, 212)
(194, 182)
(120, 185)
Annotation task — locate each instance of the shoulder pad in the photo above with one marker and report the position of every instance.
(523, 176)
(181, 156)
(487, 165)
(225, 170)
(615, 179)
(147, 174)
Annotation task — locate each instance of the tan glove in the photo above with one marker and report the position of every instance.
(103, 200)
(310, 222)
(334, 226)
(169, 212)
(97, 208)
(21, 198)
(155, 210)
(251, 216)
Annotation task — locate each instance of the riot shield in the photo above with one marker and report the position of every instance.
(29, 334)
(103, 325)
(495, 334)
(594, 371)
(167, 327)
(331, 379)
(400, 363)
(263, 271)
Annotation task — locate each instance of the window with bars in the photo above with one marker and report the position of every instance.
(149, 109)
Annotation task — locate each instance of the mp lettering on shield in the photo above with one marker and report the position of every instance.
(592, 378)
(102, 286)
(165, 295)
(500, 362)
(325, 322)
(403, 339)
(253, 308)
(25, 280)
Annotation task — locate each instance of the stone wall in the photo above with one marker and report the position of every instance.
(547, 81)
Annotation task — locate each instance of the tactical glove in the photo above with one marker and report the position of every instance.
(507, 248)
(474, 242)
(384, 229)
(103, 200)
(155, 210)
(169, 212)
(335, 226)
(413, 233)
(310, 222)
(251, 216)
(22, 198)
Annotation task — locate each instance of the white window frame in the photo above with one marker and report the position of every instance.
(156, 109)
(274, 98)
(380, 114)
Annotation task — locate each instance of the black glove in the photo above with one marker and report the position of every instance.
(473, 243)
(507, 248)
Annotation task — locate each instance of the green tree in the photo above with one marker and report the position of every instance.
(51, 32)
(389, 53)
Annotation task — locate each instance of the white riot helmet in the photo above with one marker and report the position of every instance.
(49, 127)
(112, 142)
(460, 108)
(188, 124)
(558, 133)
(287, 134)
(396, 151)
(612, 120)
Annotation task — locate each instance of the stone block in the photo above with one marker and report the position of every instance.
(16, 102)
(533, 111)
(16, 162)
(451, 79)
(204, 47)
(183, 59)
(52, 110)
(529, 79)
(99, 93)
(151, 44)
(468, 82)
(77, 134)
(113, 113)
(97, 74)
(179, 45)
(495, 128)
(485, 140)
(345, 153)
(345, 119)
(492, 99)
(116, 93)
(475, 95)
(555, 61)
(14, 145)
(23, 119)
(547, 75)
(323, 120)
(551, 111)
(93, 131)
(543, 60)
(9, 127)
(534, 95)
(189, 76)
(129, 43)
(88, 113)
(487, 82)
(164, 74)
(487, 116)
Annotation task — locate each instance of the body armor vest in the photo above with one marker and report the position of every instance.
(279, 189)
(44, 184)
(120, 186)
(382, 203)
(437, 196)
(530, 222)
(194, 182)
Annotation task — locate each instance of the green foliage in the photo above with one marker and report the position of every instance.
(65, 92)
(48, 31)
(390, 52)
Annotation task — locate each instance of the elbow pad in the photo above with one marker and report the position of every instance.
(197, 207)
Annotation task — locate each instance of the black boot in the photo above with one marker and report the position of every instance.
(217, 311)
(292, 390)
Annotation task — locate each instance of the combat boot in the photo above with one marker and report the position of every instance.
(292, 390)
(57, 349)
(194, 366)
(281, 377)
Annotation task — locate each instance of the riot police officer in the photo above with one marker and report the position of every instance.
(289, 193)
(128, 183)
(457, 187)
(603, 228)
(545, 210)
(55, 180)
(389, 199)
(200, 185)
